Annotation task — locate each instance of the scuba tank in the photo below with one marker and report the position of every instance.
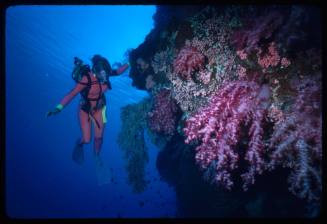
(79, 69)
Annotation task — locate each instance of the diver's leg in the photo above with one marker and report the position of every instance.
(103, 172)
(85, 124)
(98, 131)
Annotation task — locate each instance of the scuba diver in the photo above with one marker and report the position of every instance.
(91, 84)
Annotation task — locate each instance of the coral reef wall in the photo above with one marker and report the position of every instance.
(246, 81)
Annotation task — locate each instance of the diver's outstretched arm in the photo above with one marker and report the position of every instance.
(66, 100)
(78, 88)
(120, 70)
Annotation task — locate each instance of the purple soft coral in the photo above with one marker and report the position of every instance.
(297, 142)
(218, 127)
(262, 29)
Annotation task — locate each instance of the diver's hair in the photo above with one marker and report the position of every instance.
(100, 63)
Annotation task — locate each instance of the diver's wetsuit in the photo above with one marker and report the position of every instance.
(92, 104)
(93, 98)
(92, 93)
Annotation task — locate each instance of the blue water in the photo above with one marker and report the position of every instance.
(41, 180)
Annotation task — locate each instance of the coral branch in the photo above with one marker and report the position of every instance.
(162, 118)
(188, 60)
(296, 142)
(218, 126)
(262, 29)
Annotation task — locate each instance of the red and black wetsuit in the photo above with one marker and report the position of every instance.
(92, 92)
(92, 104)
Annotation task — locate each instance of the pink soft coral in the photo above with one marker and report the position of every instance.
(271, 59)
(296, 142)
(188, 60)
(267, 58)
(218, 126)
(162, 118)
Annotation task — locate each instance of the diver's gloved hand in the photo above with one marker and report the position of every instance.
(58, 108)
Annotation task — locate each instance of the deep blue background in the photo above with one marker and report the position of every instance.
(41, 180)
